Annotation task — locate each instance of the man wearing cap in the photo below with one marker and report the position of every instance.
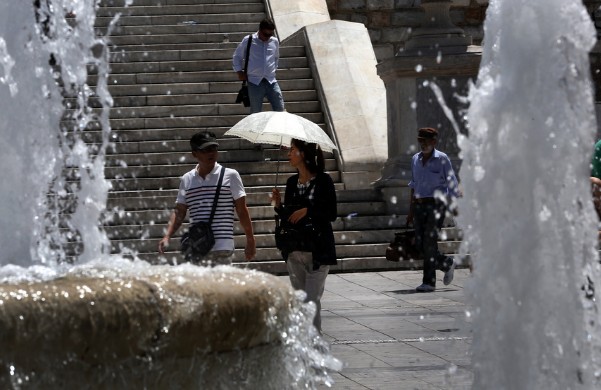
(433, 185)
(197, 191)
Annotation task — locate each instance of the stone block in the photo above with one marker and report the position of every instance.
(380, 4)
(406, 4)
(351, 5)
(395, 34)
(379, 19)
(407, 18)
(355, 95)
(384, 51)
(357, 17)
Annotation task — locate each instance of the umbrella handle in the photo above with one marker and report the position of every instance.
(277, 171)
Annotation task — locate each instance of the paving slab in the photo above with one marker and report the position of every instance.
(390, 337)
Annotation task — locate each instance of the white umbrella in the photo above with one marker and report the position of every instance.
(278, 128)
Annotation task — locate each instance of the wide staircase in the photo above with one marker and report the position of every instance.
(171, 76)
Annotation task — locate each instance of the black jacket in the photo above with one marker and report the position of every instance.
(322, 210)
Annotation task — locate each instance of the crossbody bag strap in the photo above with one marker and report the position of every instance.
(250, 41)
(217, 191)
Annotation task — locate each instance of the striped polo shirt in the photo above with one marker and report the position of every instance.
(198, 195)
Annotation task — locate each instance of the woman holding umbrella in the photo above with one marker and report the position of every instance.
(310, 207)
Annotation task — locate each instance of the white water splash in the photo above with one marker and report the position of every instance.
(527, 213)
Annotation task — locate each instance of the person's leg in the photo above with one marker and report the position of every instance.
(314, 286)
(426, 219)
(256, 93)
(296, 270)
(443, 262)
(274, 95)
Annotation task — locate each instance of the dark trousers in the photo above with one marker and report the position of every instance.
(428, 219)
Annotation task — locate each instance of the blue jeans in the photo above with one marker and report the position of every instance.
(428, 220)
(257, 93)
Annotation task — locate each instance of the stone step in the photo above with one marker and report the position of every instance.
(169, 88)
(202, 122)
(161, 217)
(147, 20)
(210, 37)
(166, 202)
(143, 3)
(190, 99)
(143, 46)
(180, 134)
(194, 55)
(155, 183)
(136, 200)
(190, 66)
(183, 27)
(256, 168)
(187, 9)
(193, 77)
(223, 109)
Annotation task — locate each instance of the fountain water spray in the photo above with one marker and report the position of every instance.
(108, 322)
(527, 211)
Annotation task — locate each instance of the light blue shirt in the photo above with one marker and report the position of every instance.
(436, 175)
(263, 59)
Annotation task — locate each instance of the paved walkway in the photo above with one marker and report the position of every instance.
(390, 337)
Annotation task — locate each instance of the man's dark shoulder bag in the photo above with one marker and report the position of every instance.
(243, 93)
(199, 238)
(301, 236)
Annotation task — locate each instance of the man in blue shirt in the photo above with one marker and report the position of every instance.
(433, 185)
(262, 65)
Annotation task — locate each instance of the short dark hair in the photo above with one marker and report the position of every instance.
(267, 24)
(313, 154)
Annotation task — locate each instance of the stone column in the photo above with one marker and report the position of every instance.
(437, 56)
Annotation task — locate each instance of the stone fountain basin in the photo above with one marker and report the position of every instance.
(172, 311)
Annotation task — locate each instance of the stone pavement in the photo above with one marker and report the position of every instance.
(390, 337)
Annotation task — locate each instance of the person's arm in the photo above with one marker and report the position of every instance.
(409, 220)
(250, 249)
(175, 221)
(277, 54)
(238, 59)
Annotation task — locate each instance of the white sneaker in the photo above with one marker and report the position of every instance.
(448, 276)
(425, 288)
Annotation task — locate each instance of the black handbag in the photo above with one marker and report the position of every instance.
(243, 95)
(403, 247)
(300, 236)
(243, 92)
(291, 237)
(199, 239)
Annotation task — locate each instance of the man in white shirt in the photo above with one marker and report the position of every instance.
(196, 194)
(262, 65)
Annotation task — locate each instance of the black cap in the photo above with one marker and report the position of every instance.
(203, 140)
(427, 132)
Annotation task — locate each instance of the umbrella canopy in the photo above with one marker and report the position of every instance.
(278, 128)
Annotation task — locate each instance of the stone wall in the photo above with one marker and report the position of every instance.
(389, 22)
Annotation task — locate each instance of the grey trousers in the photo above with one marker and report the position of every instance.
(303, 277)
